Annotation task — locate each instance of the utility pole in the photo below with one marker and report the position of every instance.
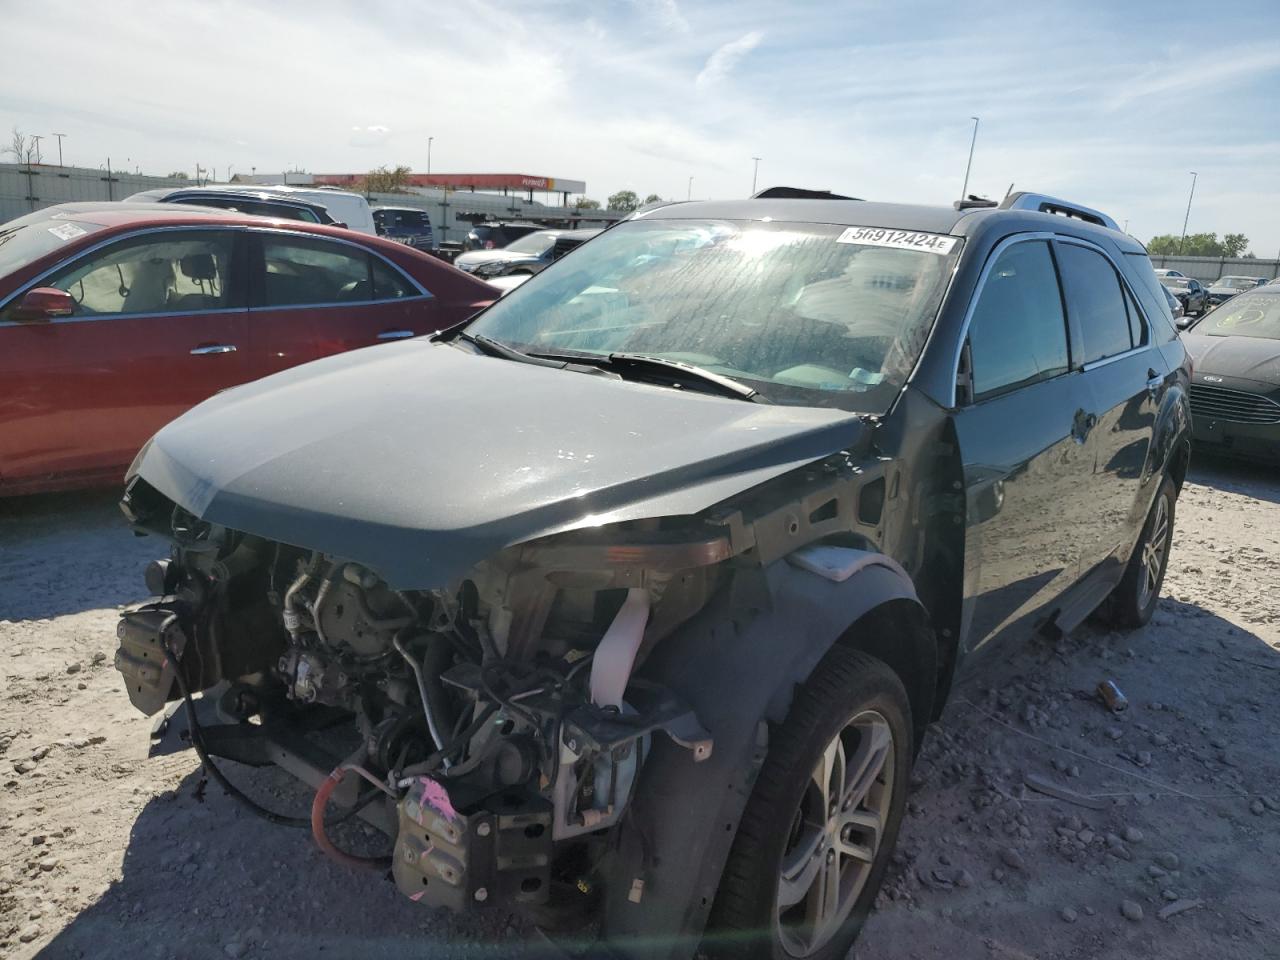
(35, 139)
(754, 175)
(964, 191)
(1187, 218)
(690, 194)
(429, 139)
(59, 136)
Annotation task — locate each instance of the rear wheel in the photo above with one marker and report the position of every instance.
(1135, 597)
(814, 841)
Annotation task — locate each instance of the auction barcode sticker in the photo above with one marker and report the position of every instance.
(899, 239)
(67, 231)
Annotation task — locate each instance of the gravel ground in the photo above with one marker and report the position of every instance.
(1169, 848)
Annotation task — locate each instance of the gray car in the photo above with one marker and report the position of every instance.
(528, 255)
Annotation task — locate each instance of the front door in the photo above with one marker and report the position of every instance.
(158, 327)
(1023, 428)
(314, 296)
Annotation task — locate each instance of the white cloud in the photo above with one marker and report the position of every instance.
(372, 136)
(666, 13)
(721, 63)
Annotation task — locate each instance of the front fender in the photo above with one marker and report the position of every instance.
(737, 664)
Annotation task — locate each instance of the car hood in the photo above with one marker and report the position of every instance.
(420, 459)
(1248, 358)
(490, 256)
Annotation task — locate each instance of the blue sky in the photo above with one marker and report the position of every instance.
(1112, 104)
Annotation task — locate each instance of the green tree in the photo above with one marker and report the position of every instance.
(1235, 244)
(624, 200)
(653, 198)
(1199, 245)
(586, 203)
(383, 180)
(178, 175)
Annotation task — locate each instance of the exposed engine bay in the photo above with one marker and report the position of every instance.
(492, 721)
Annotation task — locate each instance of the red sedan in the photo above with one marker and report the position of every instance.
(117, 317)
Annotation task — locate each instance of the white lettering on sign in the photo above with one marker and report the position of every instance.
(535, 183)
(898, 239)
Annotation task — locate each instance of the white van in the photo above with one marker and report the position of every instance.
(349, 209)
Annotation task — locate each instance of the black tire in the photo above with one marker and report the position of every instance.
(847, 685)
(1135, 597)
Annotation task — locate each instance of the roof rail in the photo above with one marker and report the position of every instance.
(973, 202)
(1043, 204)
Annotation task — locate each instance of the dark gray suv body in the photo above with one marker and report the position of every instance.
(638, 591)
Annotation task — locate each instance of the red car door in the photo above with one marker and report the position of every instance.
(159, 326)
(313, 296)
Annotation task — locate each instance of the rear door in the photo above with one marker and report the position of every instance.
(1022, 425)
(1127, 377)
(159, 326)
(313, 296)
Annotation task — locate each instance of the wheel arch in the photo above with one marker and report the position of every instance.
(738, 664)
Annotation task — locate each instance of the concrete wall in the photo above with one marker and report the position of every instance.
(26, 188)
(1206, 269)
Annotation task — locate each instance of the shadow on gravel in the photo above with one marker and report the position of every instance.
(1260, 481)
(203, 879)
(43, 536)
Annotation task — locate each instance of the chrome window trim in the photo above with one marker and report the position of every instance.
(31, 284)
(1007, 242)
(125, 316)
(345, 303)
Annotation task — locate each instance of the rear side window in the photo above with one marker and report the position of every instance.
(1097, 302)
(308, 271)
(1018, 334)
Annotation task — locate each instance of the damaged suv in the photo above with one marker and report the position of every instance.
(632, 597)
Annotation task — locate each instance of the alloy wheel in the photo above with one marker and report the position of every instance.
(836, 834)
(1154, 551)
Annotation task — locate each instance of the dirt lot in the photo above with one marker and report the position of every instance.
(106, 853)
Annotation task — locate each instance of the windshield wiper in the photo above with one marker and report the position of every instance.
(680, 370)
(496, 348)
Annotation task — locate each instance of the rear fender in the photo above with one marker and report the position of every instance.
(737, 664)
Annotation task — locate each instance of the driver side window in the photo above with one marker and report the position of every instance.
(161, 272)
(1018, 332)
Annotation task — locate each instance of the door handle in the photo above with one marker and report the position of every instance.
(212, 349)
(395, 334)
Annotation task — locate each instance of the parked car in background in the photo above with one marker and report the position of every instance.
(529, 255)
(117, 317)
(634, 596)
(261, 203)
(1235, 393)
(1224, 288)
(1190, 292)
(491, 235)
(407, 225)
(1164, 272)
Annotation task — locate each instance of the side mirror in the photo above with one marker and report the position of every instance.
(1183, 322)
(43, 303)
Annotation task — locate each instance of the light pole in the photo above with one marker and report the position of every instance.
(35, 139)
(1187, 218)
(689, 196)
(429, 139)
(964, 191)
(59, 136)
(754, 174)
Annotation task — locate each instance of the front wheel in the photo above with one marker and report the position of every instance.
(1135, 597)
(814, 841)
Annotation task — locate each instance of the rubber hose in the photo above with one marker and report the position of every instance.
(322, 839)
